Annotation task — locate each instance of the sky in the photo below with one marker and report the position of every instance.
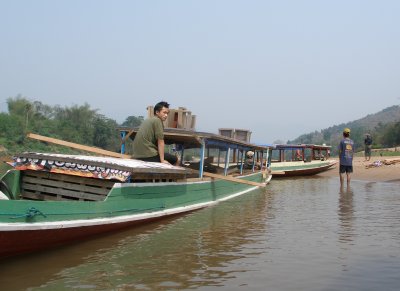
(277, 68)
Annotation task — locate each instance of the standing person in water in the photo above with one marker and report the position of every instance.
(346, 151)
(148, 144)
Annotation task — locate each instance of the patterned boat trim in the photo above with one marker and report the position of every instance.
(86, 166)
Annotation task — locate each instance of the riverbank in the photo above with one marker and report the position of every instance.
(366, 171)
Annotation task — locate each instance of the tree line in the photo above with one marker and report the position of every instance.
(80, 124)
(84, 125)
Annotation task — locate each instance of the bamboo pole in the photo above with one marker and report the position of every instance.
(77, 146)
(233, 179)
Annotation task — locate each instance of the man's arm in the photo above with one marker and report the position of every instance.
(161, 146)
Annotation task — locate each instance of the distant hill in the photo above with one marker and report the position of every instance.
(375, 124)
(371, 121)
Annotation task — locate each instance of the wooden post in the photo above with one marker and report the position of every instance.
(242, 159)
(254, 162)
(202, 153)
(228, 151)
(123, 133)
(182, 153)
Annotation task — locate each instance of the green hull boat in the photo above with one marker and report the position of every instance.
(52, 199)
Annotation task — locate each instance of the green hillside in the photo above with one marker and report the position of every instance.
(384, 126)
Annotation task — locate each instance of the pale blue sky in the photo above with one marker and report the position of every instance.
(279, 68)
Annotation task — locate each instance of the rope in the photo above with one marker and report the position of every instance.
(31, 212)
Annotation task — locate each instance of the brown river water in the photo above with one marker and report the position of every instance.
(298, 234)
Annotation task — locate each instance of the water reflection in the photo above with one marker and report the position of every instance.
(188, 252)
(346, 215)
(302, 234)
(346, 220)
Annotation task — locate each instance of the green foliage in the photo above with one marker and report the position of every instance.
(133, 121)
(18, 106)
(78, 124)
(390, 136)
(105, 134)
(11, 131)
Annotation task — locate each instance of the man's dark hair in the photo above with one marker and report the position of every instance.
(160, 106)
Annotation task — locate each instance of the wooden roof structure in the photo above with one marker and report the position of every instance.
(195, 139)
(299, 146)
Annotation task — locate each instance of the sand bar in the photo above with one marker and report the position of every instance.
(366, 171)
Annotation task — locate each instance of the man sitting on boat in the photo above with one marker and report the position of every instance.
(248, 163)
(148, 144)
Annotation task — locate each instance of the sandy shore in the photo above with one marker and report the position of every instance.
(387, 173)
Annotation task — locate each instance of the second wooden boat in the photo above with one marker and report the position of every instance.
(299, 160)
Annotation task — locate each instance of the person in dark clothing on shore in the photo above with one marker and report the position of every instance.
(367, 146)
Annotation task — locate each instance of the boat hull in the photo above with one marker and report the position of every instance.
(300, 168)
(28, 226)
(27, 241)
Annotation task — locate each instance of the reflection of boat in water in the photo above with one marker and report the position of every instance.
(53, 198)
(299, 160)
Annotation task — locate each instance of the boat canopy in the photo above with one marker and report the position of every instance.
(189, 139)
(194, 139)
(299, 146)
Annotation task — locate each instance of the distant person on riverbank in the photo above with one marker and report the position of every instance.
(367, 146)
(148, 144)
(346, 151)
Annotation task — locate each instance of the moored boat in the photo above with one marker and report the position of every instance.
(52, 199)
(299, 160)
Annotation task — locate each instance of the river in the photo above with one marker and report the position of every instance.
(297, 234)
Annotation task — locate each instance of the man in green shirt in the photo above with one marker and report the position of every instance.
(148, 144)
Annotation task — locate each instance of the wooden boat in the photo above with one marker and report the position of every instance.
(299, 160)
(52, 199)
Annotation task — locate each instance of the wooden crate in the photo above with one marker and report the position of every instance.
(242, 135)
(228, 132)
(238, 134)
(38, 185)
(177, 118)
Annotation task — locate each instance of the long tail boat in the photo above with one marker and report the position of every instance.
(51, 199)
(288, 160)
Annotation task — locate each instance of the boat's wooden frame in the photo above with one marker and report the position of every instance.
(50, 206)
